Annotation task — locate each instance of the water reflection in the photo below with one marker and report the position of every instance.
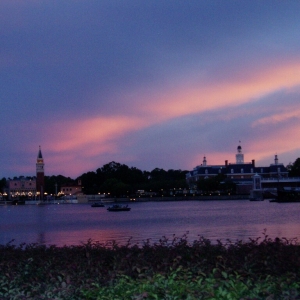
(41, 224)
(73, 224)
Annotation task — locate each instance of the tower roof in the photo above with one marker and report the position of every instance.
(239, 148)
(40, 156)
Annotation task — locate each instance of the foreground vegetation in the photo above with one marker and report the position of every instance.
(169, 269)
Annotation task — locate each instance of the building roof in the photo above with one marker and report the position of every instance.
(239, 167)
(40, 156)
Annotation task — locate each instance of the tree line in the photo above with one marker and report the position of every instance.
(121, 180)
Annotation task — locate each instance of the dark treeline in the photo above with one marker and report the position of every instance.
(121, 180)
(219, 184)
(2, 184)
(294, 168)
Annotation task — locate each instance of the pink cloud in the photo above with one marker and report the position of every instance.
(78, 142)
(75, 134)
(277, 141)
(232, 92)
(278, 118)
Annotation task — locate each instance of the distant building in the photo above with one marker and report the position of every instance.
(28, 187)
(21, 187)
(240, 172)
(71, 189)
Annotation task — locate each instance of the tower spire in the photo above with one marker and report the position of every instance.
(40, 156)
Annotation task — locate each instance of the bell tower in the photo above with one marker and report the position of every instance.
(40, 184)
(204, 161)
(239, 156)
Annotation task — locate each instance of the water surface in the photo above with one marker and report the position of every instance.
(73, 224)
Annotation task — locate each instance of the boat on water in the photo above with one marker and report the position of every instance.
(97, 204)
(288, 194)
(117, 207)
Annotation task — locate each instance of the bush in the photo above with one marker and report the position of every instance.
(169, 269)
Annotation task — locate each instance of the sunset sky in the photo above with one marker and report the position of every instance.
(147, 83)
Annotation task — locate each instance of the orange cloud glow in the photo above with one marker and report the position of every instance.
(234, 92)
(100, 135)
(278, 118)
(76, 133)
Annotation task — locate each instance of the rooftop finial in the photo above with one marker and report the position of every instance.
(40, 156)
(239, 147)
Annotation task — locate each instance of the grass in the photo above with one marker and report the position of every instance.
(170, 269)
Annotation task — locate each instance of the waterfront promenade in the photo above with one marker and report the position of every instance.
(94, 198)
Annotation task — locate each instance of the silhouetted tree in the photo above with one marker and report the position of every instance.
(2, 184)
(90, 183)
(59, 180)
(163, 181)
(115, 187)
(216, 183)
(294, 169)
(119, 179)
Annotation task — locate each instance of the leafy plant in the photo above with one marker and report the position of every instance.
(169, 269)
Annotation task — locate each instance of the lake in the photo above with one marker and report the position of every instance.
(73, 224)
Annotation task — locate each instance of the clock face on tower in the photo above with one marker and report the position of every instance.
(40, 168)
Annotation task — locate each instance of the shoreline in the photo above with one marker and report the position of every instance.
(86, 200)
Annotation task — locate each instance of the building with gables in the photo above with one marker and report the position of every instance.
(71, 189)
(20, 187)
(28, 187)
(240, 172)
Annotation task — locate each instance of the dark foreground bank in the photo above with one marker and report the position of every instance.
(170, 269)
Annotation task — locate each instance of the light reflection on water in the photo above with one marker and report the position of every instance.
(73, 224)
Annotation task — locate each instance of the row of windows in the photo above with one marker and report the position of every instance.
(23, 184)
(242, 171)
(23, 191)
(68, 189)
